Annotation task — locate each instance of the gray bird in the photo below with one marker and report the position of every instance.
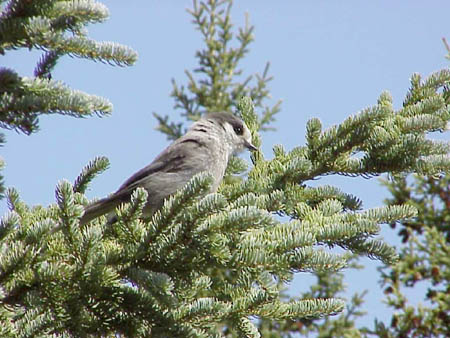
(206, 147)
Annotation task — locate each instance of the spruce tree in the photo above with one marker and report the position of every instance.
(204, 267)
(424, 256)
(424, 260)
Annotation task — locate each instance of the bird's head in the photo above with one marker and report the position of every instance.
(234, 131)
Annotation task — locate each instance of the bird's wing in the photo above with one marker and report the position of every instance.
(179, 156)
(184, 156)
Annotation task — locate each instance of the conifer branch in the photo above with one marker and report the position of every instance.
(7, 223)
(216, 85)
(20, 108)
(304, 309)
(46, 64)
(47, 32)
(374, 249)
(57, 28)
(92, 169)
(128, 229)
(246, 328)
(164, 221)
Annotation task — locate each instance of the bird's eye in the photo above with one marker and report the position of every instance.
(238, 130)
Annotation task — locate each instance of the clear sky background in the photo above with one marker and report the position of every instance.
(329, 59)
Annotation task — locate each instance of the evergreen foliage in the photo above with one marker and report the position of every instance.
(328, 285)
(219, 84)
(206, 266)
(425, 260)
(57, 28)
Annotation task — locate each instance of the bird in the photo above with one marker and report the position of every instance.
(206, 147)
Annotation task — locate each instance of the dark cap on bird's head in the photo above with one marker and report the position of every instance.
(239, 133)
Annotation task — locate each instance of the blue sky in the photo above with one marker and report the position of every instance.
(329, 59)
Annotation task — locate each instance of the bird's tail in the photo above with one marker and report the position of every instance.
(98, 208)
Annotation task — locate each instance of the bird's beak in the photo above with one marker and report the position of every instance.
(249, 146)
